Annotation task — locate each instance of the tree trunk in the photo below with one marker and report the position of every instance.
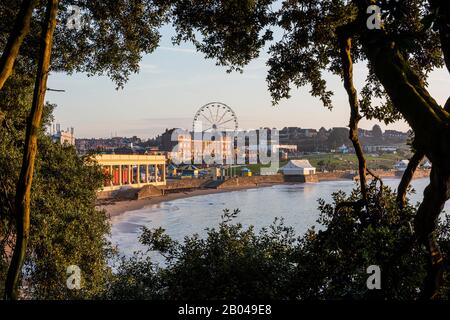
(407, 177)
(23, 191)
(405, 88)
(345, 45)
(431, 125)
(435, 196)
(18, 34)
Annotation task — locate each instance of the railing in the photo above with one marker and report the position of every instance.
(128, 158)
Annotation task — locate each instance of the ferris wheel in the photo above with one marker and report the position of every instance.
(216, 116)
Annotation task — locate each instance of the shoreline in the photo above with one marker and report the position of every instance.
(116, 207)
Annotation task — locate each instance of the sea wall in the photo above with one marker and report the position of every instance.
(171, 186)
(250, 181)
(149, 192)
(301, 179)
(192, 183)
(335, 175)
(344, 175)
(261, 180)
(126, 193)
(420, 173)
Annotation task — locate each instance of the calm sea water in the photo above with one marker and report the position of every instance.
(297, 204)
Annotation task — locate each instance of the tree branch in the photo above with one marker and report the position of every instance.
(407, 177)
(447, 105)
(55, 90)
(435, 196)
(355, 205)
(405, 88)
(15, 40)
(345, 45)
(430, 123)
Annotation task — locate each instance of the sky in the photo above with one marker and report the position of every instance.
(175, 81)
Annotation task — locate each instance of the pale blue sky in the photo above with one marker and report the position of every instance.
(176, 81)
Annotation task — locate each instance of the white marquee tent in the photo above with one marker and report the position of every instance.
(298, 167)
(401, 165)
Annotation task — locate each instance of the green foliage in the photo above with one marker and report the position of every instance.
(231, 31)
(338, 137)
(114, 35)
(65, 227)
(350, 240)
(330, 262)
(349, 161)
(232, 262)
(137, 278)
(304, 48)
(377, 132)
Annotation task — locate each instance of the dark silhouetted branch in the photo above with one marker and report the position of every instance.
(407, 177)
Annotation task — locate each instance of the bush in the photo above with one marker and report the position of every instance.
(66, 229)
(330, 263)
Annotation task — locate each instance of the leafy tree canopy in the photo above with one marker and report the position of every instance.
(328, 262)
(234, 32)
(65, 227)
(110, 39)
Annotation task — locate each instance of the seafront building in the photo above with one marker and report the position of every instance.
(132, 171)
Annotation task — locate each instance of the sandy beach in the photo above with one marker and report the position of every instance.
(115, 207)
